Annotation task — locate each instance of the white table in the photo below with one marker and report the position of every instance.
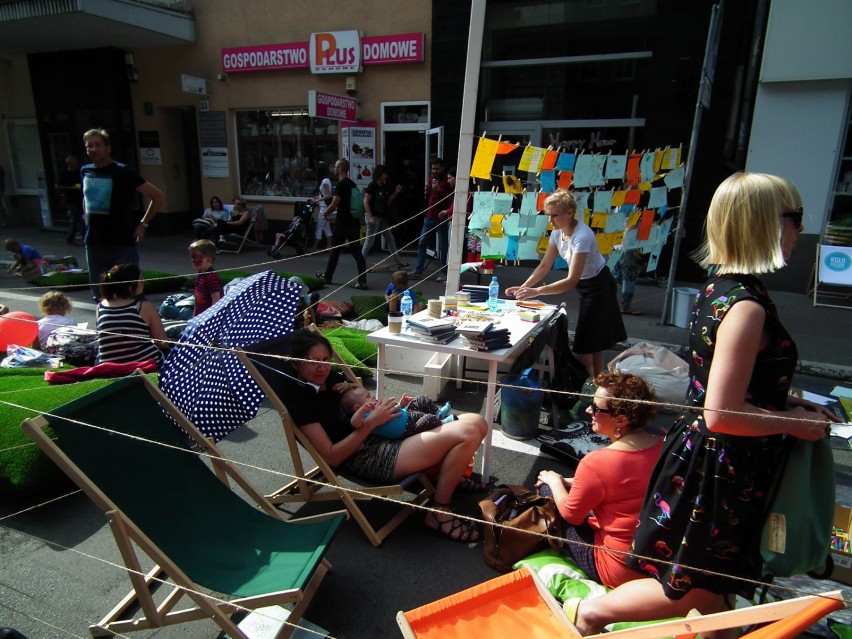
(508, 315)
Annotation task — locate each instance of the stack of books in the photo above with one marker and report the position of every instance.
(482, 336)
(478, 294)
(437, 330)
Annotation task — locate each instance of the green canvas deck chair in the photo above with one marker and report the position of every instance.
(322, 483)
(163, 501)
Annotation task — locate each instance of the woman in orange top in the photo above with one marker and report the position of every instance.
(609, 483)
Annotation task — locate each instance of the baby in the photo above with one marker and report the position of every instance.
(55, 307)
(417, 414)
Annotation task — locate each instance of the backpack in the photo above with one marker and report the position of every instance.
(356, 203)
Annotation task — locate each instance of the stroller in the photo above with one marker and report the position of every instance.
(296, 234)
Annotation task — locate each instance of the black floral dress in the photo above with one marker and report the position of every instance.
(705, 506)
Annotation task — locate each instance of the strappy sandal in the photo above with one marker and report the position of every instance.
(321, 277)
(360, 287)
(459, 529)
(468, 485)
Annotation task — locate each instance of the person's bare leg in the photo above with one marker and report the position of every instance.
(643, 600)
(592, 361)
(451, 446)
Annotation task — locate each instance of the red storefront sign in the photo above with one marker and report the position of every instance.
(403, 48)
(332, 107)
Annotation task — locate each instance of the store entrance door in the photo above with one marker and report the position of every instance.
(404, 155)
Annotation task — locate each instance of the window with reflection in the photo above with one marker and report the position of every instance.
(284, 153)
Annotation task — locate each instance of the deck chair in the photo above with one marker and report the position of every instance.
(322, 483)
(163, 501)
(518, 604)
(253, 234)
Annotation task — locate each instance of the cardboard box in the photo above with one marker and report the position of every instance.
(842, 560)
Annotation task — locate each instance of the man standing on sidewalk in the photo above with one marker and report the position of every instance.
(437, 191)
(377, 201)
(347, 230)
(109, 190)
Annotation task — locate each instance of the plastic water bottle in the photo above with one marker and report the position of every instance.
(406, 305)
(493, 294)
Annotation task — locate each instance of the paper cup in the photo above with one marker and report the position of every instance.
(395, 322)
(435, 308)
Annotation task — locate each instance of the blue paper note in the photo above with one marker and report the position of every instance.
(548, 180)
(494, 246)
(529, 201)
(602, 201)
(674, 178)
(616, 167)
(657, 197)
(565, 161)
(511, 225)
(483, 207)
(646, 166)
(596, 177)
(502, 203)
(512, 248)
(615, 221)
(582, 198)
(528, 248)
(583, 172)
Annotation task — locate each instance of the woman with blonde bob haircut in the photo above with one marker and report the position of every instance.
(599, 324)
(698, 536)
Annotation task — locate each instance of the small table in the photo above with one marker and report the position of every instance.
(508, 315)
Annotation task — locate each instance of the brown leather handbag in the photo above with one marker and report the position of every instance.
(512, 515)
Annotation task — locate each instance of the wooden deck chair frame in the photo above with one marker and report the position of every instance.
(166, 573)
(251, 236)
(322, 483)
(788, 618)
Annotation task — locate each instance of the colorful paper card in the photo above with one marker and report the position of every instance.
(502, 203)
(658, 197)
(602, 201)
(632, 196)
(566, 161)
(598, 220)
(542, 245)
(674, 178)
(566, 178)
(634, 174)
(616, 167)
(483, 207)
(596, 178)
(539, 225)
(549, 161)
(496, 229)
(512, 184)
(644, 186)
(645, 225)
(539, 205)
(646, 167)
(511, 225)
(582, 198)
(633, 219)
(547, 177)
(607, 240)
(528, 203)
(506, 147)
(618, 198)
(494, 246)
(671, 158)
(631, 239)
(658, 161)
(583, 172)
(528, 248)
(512, 248)
(615, 221)
(531, 159)
(486, 150)
(613, 259)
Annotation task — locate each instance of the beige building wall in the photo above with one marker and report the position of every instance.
(225, 23)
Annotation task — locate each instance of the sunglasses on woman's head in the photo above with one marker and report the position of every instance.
(795, 216)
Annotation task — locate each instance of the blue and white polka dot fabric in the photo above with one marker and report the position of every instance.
(210, 385)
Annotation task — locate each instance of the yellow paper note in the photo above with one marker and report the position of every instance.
(644, 186)
(496, 226)
(633, 220)
(486, 150)
(586, 215)
(658, 160)
(512, 185)
(618, 198)
(531, 159)
(542, 244)
(598, 221)
(607, 240)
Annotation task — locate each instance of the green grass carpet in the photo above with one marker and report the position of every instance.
(155, 281)
(24, 394)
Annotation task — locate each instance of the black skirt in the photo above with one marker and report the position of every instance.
(599, 325)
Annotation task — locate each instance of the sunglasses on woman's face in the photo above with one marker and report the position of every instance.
(597, 409)
(795, 216)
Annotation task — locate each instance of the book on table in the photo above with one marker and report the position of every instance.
(441, 338)
(432, 324)
(474, 327)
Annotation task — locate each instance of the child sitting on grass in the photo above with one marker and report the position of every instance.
(26, 258)
(55, 307)
(417, 414)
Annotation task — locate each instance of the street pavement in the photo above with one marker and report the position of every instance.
(58, 573)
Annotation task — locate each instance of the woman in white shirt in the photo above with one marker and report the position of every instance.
(599, 324)
(323, 227)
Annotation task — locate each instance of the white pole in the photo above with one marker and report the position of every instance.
(468, 118)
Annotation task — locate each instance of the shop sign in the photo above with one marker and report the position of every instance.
(332, 107)
(335, 52)
(388, 49)
(835, 266)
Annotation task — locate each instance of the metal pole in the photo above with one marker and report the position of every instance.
(468, 120)
(708, 70)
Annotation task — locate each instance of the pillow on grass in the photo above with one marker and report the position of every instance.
(333, 309)
(370, 307)
(346, 355)
(356, 342)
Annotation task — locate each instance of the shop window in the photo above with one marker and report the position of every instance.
(284, 153)
(25, 155)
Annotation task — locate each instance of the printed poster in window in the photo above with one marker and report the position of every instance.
(361, 151)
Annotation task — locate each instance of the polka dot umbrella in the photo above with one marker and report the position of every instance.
(203, 378)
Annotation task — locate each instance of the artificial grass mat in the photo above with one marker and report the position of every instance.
(354, 349)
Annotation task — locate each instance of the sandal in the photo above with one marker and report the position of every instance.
(468, 485)
(321, 277)
(360, 287)
(454, 528)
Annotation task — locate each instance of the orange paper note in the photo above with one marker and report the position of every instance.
(632, 196)
(565, 178)
(634, 174)
(539, 205)
(645, 225)
(549, 161)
